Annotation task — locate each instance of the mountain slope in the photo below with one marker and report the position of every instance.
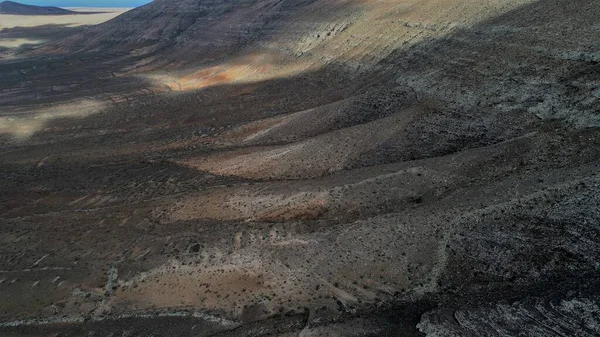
(306, 167)
(314, 30)
(15, 8)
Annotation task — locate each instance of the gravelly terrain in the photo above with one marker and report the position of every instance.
(305, 168)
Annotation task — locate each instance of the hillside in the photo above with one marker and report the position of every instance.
(15, 8)
(306, 168)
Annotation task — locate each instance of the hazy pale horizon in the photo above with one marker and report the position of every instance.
(85, 3)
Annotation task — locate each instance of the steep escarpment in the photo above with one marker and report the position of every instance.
(311, 168)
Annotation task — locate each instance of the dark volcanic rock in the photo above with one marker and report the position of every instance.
(306, 168)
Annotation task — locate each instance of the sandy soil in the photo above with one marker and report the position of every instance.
(23, 32)
(11, 21)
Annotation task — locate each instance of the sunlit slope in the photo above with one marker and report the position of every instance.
(289, 32)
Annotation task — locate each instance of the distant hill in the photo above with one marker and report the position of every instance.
(15, 8)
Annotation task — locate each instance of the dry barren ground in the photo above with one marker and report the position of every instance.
(305, 168)
(104, 14)
(18, 31)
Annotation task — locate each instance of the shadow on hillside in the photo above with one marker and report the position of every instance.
(509, 69)
(20, 40)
